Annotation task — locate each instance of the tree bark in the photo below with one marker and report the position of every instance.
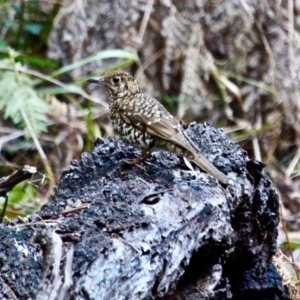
(158, 231)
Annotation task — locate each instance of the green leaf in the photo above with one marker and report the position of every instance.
(34, 28)
(21, 192)
(291, 245)
(3, 45)
(18, 97)
(22, 200)
(37, 61)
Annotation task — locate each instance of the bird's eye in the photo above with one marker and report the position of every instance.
(116, 79)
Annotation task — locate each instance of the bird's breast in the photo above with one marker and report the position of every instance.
(129, 133)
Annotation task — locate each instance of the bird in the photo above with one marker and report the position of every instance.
(142, 121)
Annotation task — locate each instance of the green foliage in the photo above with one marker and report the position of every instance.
(21, 192)
(25, 25)
(21, 96)
(22, 200)
(27, 77)
(171, 102)
(18, 99)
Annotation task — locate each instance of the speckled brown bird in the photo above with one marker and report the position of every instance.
(142, 121)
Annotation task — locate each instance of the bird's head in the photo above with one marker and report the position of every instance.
(118, 83)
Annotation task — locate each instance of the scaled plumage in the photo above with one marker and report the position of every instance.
(141, 120)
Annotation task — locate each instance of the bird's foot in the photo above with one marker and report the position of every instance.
(133, 162)
(138, 160)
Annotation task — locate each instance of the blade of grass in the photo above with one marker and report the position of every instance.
(116, 66)
(115, 53)
(70, 88)
(253, 82)
(55, 90)
(254, 131)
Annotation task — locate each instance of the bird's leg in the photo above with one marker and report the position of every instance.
(144, 155)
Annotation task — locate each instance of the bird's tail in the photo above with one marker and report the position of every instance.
(204, 164)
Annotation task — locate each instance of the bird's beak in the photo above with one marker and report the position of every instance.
(96, 80)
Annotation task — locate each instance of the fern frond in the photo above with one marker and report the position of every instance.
(18, 97)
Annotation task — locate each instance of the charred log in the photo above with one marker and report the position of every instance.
(160, 231)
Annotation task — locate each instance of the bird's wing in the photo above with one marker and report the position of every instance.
(151, 117)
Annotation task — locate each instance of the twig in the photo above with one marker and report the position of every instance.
(145, 20)
(288, 242)
(256, 148)
(75, 209)
(14, 135)
(152, 59)
(8, 182)
(293, 164)
(291, 36)
(4, 208)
